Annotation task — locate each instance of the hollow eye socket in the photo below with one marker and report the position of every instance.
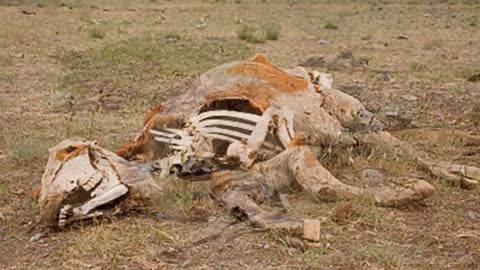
(70, 149)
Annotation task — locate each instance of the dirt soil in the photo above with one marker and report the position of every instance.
(93, 70)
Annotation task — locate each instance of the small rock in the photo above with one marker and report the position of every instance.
(372, 178)
(172, 40)
(345, 55)
(185, 263)
(466, 261)
(62, 94)
(267, 246)
(409, 98)
(350, 89)
(427, 15)
(314, 61)
(395, 112)
(201, 25)
(28, 12)
(322, 41)
(402, 37)
(18, 192)
(37, 237)
(19, 55)
(474, 78)
(385, 76)
(472, 215)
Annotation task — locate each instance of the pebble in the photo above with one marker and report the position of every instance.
(392, 111)
(37, 237)
(409, 98)
(171, 40)
(372, 177)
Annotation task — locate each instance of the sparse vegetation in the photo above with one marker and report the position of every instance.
(259, 33)
(387, 256)
(97, 33)
(118, 49)
(330, 25)
(172, 35)
(25, 147)
(417, 67)
(113, 68)
(272, 30)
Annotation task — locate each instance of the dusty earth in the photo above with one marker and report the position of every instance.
(93, 70)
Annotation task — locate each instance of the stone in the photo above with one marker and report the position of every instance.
(345, 55)
(314, 61)
(392, 111)
(37, 237)
(466, 261)
(409, 98)
(311, 230)
(385, 76)
(474, 78)
(372, 178)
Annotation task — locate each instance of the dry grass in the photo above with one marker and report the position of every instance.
(54, 68)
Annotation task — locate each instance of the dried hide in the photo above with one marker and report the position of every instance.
(248, 128)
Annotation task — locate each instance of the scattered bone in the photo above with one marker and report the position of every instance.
(245, 129)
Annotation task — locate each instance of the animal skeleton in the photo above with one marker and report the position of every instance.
(246, 125)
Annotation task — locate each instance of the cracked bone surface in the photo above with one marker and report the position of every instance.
(80, 177)
(247, 130)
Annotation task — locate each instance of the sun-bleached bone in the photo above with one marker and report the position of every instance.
(175, 139)
(80, 177)
(219, 124)
(224, 113)
(292, 113)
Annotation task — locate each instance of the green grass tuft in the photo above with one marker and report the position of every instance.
(96, 33)
(330, 25)
(259, 33)
(272, 30)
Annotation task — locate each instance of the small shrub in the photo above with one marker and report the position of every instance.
(172, 35)
(97, 33)
(272, 30)
(330, 25)
(256, 33)
(251, 33)
(417, 67)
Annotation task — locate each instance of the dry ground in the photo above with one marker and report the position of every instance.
(93, 69)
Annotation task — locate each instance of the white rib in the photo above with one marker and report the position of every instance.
(178, 147)
(223, 113)
(182, 141)
(225, 122)
(178, 131)
(210, 130)
(169, 135)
